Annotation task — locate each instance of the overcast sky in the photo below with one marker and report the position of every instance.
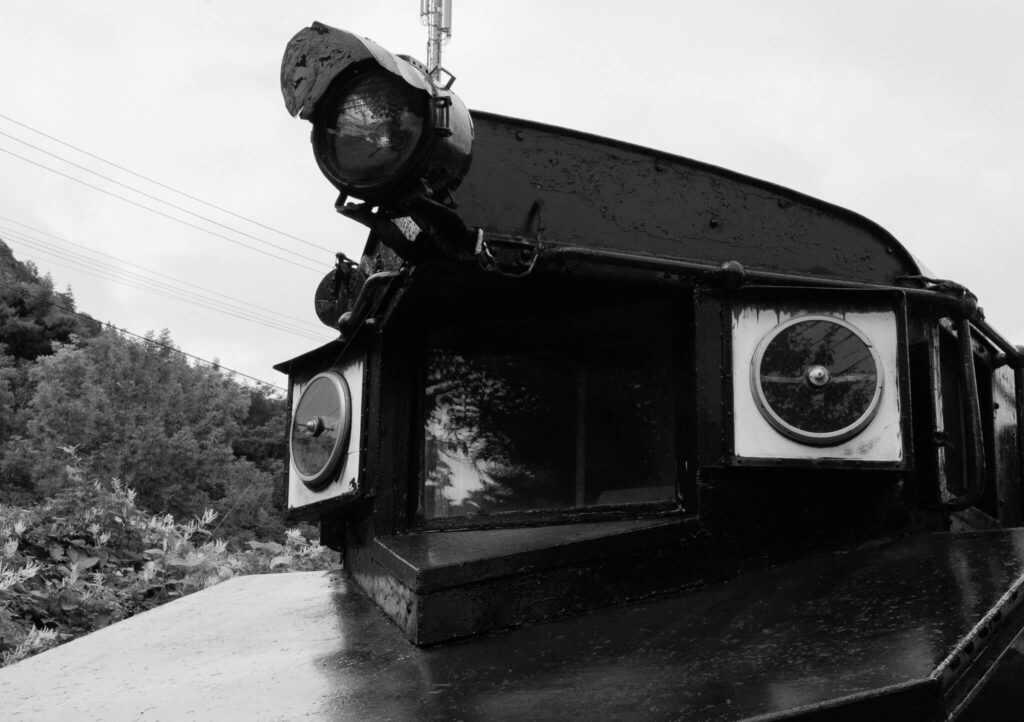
(910, 113)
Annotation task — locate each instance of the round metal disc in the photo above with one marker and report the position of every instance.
(817, 379)
(320, 429)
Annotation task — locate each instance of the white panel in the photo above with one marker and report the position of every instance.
(346, 481)
(754, 437)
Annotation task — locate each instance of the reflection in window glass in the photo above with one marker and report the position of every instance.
(819, 380)
(547, 413)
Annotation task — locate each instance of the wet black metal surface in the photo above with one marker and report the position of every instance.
(429, 561)
(798, 635)
(603, 194)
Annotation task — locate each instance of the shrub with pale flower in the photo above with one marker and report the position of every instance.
(88, 557)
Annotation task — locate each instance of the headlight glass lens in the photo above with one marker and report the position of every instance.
(371, 128)
(817, 380)
(320, 428)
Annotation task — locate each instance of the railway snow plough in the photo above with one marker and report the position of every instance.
(610, 433)
(574, 375)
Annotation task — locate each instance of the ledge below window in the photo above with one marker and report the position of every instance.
(444, 585)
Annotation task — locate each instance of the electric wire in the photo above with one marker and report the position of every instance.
(141, 337)
(204, 304)
(281, 329)
(157, 198)
(246, 307)
(129, 278)
(162, 185)
(238, 500)
(319, 271)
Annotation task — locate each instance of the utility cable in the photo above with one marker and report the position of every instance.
(157, 198)
(46, 247)
(238, 500)
(319, 271)
(141, 337)
(162, 185)
(280, 329)
(197, 301)
(129, 278)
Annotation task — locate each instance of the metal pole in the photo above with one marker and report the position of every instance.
(437, 16)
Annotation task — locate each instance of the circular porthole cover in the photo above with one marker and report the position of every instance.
(817, 379)
(320, 428)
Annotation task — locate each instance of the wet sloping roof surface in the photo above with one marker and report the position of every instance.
(311, 646)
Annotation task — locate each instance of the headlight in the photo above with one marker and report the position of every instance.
(368, 129)
(817, 380)
(320, 429)
(383, 128)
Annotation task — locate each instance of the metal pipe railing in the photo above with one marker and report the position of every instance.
(976, 438)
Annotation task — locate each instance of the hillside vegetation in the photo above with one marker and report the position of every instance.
(128, 475)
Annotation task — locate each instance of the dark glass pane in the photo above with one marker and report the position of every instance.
(500, 433)
(319, 421)
(549, 412)
(376, 128)
(629, 441)
(818, 376)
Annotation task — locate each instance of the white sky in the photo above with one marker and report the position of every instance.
(910, 113)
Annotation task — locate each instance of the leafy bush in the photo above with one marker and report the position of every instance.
(89, 556)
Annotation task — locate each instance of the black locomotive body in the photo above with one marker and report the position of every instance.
(572, 374)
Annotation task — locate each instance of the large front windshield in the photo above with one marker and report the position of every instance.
(550, 411)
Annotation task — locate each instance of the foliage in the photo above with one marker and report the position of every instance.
(77, 554)
(32, 315)
(89, 556)
(186, 437)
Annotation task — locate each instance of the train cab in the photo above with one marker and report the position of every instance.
(574, 374)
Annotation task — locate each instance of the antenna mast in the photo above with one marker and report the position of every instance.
(437, 16)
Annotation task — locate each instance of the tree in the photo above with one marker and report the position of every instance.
(32, 315)
(140, 412)
(186, 437)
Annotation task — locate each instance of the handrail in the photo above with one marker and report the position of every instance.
(961, 304)
(976, 439)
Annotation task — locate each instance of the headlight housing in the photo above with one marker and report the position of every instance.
(383, 129)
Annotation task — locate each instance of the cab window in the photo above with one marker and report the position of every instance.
(552, 409)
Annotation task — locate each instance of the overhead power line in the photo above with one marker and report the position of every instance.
(162, 185)
(141, 337)
(158, 199)
(252, 311)
(177, 296)
(161, 213)
(135, 280)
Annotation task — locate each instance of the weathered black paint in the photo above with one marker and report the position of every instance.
(546, 214)
(608, 195)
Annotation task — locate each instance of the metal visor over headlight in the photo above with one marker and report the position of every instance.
(320, 428)
(368, 129)
(817, 380)
(384, 128)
